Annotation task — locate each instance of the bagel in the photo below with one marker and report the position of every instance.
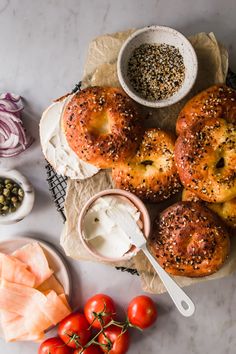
(101, 126)
(190, 240)
(205, 157)
(151, 174)
(226, 211)
(218, 101)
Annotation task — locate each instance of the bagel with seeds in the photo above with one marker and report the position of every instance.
(205, 157)
(101, 126)
(226, 210)
(151, 174)
(190, 240)
(218, 101)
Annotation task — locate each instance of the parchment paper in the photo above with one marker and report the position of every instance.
(100, 69)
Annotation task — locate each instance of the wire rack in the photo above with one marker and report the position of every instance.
(57, 184)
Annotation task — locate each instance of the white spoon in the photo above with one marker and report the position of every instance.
(181, 300)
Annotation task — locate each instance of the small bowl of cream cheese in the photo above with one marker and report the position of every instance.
(101, 235)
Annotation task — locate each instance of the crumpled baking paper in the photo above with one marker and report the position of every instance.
(100, 69)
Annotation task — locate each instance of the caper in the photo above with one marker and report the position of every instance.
(14, 199)
(5, 208)
(9, 186)
(6, 192)
(21, 192)
(14, 190)
(11, 196)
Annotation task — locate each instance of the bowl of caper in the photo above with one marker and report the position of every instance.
(16, 196)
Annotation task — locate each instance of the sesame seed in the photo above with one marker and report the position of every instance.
(156, 71)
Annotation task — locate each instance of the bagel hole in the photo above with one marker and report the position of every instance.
(147, 163)
(100, 124)
(220, 163)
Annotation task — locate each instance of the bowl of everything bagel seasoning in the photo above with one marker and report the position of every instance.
(157, 66)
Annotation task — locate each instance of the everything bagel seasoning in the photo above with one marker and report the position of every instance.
(156, 71)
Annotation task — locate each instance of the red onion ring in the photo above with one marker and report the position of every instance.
(13, 139)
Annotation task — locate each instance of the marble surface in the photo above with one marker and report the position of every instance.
(43, 48)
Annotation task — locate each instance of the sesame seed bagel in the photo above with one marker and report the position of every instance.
(190, 240)
(205, 157)
(101, 126)
(218, 101)
(226, 210)
(151, 174)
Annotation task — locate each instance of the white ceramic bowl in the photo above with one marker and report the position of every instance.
(27, 202)
(158, 35)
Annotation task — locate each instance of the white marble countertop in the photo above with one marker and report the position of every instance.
(43, 48)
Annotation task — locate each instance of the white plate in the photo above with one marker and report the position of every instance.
(54, 258)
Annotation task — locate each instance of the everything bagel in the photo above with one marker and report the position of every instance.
(226, 210)
(190, 240)
(101, 126)
(205, 157)
(151, 174)
(218, 101)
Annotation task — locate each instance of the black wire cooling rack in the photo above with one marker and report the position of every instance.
(57, 184)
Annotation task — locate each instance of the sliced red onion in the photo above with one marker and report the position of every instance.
(13, 139)
(10, 96)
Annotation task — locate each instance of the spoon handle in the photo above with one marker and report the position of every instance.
(183, 303)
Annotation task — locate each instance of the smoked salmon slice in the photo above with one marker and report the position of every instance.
(64, 300)
(16, 272)
(31, 298)
(18, 298)
(16, 329)
(54, 308)
(33, 256)
(51, 283)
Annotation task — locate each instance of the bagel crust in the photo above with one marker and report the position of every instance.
(205, 157)
(189, 240)
(151, 174)
(218, 101)
(226, 210)
(101, 126)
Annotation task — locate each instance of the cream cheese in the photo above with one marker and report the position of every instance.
(102, 232)
(55, 146)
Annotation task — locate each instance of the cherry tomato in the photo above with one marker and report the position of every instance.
(54, 346)
(74, 330)
(119, 343)
(142, 311)
(104, 306)
(92, 349)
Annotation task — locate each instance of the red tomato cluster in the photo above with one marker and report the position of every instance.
(96, 331)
